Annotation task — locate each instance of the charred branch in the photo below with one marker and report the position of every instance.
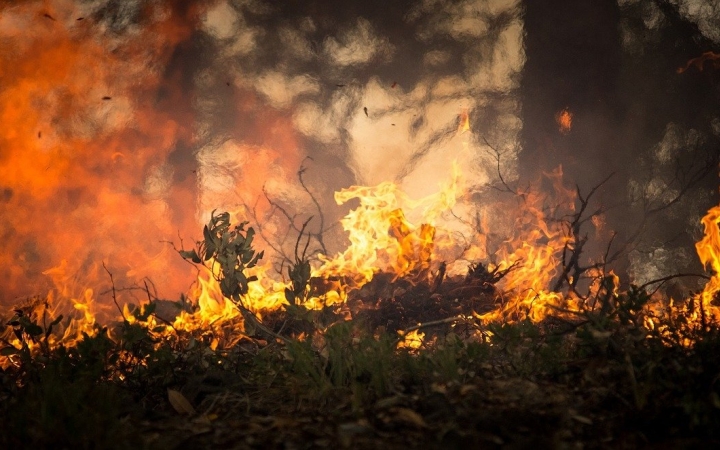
(572, 270)
(497, 155)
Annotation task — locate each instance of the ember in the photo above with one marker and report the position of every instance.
(564, 120)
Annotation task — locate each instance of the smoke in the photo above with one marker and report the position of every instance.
(125, 123)
(367, 93)
(128, 122)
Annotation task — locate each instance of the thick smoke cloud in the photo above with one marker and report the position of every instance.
(370, 92)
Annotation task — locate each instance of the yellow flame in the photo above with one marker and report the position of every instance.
(383, 239)
(412, 340)
(708, 250)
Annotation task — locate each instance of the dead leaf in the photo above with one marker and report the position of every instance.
(579, 418)
(388, 402)
(439, 388)
(179, 402)
(715, 399)
(409, 416)
(348, 431)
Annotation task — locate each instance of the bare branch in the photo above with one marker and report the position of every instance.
(498, 156)
(114, 297)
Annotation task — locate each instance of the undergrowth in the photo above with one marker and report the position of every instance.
(97, 392)
(621, 375)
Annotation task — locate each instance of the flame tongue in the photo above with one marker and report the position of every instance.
(381, 238)
(708, 249)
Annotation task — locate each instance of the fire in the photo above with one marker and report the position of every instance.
(536, 249)
(412, 340)
(564, 120)
(381, 239)
(88, 146)
(85, 148)
(212, 307)
(464, 122)
(699, 62)
(708, 249)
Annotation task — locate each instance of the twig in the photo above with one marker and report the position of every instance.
(639, 403)
(425, 325)
(671, 277)
(439, 277)
(573, 248)
(297, 242)
(248, 315)
(499, 172)
(114, 297)
(321, 228)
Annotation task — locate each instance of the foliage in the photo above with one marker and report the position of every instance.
(229, 248)
(635, 377)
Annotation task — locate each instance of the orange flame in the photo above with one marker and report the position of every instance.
(536, 248)
(708, 249)
(564, 120)
(699, 62)
(85, 148)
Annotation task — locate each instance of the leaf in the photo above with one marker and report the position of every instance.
(247, 256)
(409, 416)
(56, 321)
(249, 325)
(241, 280)
(191, 255)
(149, 309)
(9, 351)
(290, 296)
(179, 402)
(210, 250)
(223, 218)
(29, 327)
(52, 324)
(206, 235)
